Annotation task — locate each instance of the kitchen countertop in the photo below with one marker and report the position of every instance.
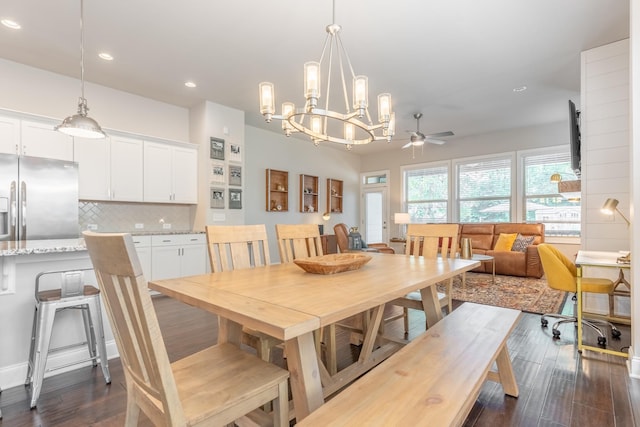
(29, 247)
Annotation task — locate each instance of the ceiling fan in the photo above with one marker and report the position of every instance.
(418, 138)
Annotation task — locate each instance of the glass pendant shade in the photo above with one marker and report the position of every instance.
(267, 100)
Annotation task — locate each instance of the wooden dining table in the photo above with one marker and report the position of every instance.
(285, 302)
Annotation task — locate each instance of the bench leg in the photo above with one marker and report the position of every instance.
(505, 372)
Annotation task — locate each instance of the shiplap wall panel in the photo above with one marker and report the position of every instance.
(604, 108)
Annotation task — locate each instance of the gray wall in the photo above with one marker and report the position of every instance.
(272, 150)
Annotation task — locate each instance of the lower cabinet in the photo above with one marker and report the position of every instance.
(143, 249)
(178, 255)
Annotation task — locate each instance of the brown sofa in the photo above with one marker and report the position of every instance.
(513, 263)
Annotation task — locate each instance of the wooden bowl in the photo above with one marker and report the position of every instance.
(333, 263)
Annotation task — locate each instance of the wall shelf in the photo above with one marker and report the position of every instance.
(308, 193)
(334, 195)
(277, 191)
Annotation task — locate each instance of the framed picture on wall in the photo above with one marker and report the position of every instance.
(234, 153)
(216, 173)
(217, 148)
(235, 198)
(235, 175)
(217, 198)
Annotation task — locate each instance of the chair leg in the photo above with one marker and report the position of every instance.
(44, 327)
(98, 333)
(133, 410)
(32, 347)
(89, 333)
(405, 313)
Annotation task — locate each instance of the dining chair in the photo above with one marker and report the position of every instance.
(234, 247)
(342, 238)
(215, 386)
(429, 241)
(296, 241)
(561, 274)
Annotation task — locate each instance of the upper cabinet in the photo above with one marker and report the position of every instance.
(334, 195)
(109, 169)
(39, 139)
(9, 135)
(94, 174)
(308, 193)
(170, 173)
(126, 169)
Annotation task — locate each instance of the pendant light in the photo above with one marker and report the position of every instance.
(80, 124)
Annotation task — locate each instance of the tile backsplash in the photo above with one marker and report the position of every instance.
(123, 217)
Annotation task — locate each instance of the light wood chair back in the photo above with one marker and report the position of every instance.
(298, 241)
(216, 386)
(429, 241)
(432, 240)
(234, 247)
(135, 325)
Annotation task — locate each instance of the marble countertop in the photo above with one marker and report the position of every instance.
(29, 247)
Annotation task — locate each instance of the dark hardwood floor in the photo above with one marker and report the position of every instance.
(558, 387)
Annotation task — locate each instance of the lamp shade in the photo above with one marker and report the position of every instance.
(401, 218)
(609, 206)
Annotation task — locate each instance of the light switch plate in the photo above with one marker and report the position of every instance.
(166, 226)
(92, 227)
(139, 226)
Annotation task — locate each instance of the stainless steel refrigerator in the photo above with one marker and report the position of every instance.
(38, 198)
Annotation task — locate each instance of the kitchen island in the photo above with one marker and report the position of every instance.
(22, 261)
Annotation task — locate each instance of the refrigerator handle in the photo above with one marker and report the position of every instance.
(13, 212)
(23, 203)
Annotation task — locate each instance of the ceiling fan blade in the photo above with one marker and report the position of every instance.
(407, 145)
(434, 141)
(440, 134)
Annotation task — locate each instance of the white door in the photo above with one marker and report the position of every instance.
(375, 218)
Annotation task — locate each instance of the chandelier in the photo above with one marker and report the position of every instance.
(320, 121)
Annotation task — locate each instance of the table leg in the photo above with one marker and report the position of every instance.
(431, 305)
(493, 264)
(306, 387)
(229, 331)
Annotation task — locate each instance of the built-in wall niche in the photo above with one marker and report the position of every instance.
(277, 191)
(334, 195)
(308, 193)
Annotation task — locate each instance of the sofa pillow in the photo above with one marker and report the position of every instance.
(505, 242)
(521, 243)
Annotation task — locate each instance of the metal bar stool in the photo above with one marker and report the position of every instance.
(72, 294)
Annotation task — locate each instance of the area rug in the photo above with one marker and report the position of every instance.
(522, 293)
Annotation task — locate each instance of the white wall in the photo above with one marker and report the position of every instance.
(499, 142)
(271, 150)
(214, 120)
(34, 91)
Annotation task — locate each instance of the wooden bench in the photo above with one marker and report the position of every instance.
(434, 380)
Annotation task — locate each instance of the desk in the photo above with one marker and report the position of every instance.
(600, 259)
(285, 302)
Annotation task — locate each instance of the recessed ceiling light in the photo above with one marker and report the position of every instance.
(106, 56)
(520, 89)
(11, 24)
(189, 84)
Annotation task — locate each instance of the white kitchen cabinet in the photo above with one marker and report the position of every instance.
(92, 156)
(126, 169)
(143, 249)
(9, 135)
(39, 139)
(178, 255)
(170, 173)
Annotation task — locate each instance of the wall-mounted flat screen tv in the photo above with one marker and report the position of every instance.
(574, 138)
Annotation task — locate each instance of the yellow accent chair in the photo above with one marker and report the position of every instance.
(561, 274)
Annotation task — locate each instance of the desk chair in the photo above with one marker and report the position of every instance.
(429, 241)
(342, 237)
(215, 386)
(234, 247)
(72, 294)
(561, 273)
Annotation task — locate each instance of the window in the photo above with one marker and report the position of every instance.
(560, 215)
(427, 193)
(484, 188)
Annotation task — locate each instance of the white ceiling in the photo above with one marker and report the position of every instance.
(456, 61)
